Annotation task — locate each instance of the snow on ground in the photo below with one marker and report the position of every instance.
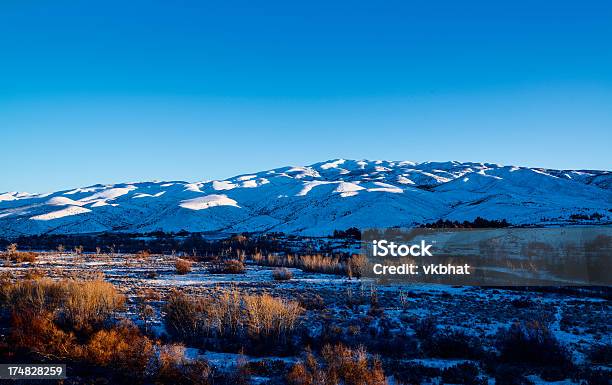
(68, 211)
(222, 185)
(208, 201)
(476, 311)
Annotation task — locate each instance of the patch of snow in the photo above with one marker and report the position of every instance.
(7, 197)
(249, 184)
(403, 180)
(385, 187)
(310, 185)
(63, 201)
(100, 204)
(220, 185)
(65, 212)
(347, 189)
(208, 201)
(304, 172)
(544, 173)
(83, 190)
(144, 195)
(334, 164)
(109, 194)
(195, 187)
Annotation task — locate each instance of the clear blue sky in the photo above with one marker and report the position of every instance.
(114, 91)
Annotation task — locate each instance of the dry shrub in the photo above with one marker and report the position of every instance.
(90, 303)
(230, 314)
(37, 333)
(532, 343)
(356, 266)
(149, 294)
(425, 328)
(232, 266)
(143, 254)
(24, 256)
(34, 273)
(352, 267)
(151, 275)
(463, 373)
(172, 367)
(123, 347)
(340, 365)
(183, 315)
(314, 263)
(270, 317)
(170, 357)
(80, 305)
(34, 296)
(183, 266)
(44, 311)
(282, 274)
(450, 343)
(322, 264)
(12, 254)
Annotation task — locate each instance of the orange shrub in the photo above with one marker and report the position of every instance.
(341, 365)
(183, 266)
(122, 346)
(24, 256)
(37, 333)
(233, 266)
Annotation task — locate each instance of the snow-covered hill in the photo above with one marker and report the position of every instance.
(318, 199)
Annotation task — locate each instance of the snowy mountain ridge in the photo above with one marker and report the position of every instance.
(318, 199)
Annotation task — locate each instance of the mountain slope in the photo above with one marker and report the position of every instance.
(318, 199)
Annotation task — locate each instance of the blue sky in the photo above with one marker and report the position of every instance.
(124, 91)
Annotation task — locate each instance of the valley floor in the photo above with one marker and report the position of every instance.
(421, 334)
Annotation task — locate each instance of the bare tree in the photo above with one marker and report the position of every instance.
(10, 251)
(78, 251)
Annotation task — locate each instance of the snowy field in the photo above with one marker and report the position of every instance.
(352, 311)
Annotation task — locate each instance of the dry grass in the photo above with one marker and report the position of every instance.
(231, 314)
(80, 305)
(352, 267)
(24, 256)
(232, 266)
(49, 320)
(340, 365)
(182, 266)
(90, 302)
